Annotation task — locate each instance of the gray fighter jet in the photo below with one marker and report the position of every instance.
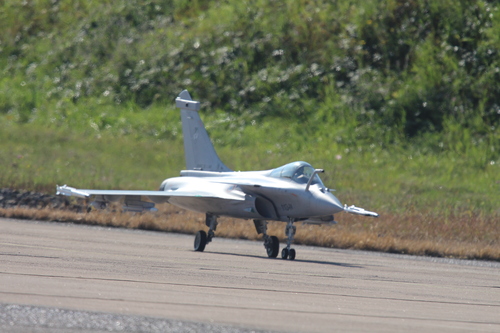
(291, 193)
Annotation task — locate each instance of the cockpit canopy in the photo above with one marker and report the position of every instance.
(299, 172)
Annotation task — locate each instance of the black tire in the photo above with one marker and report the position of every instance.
(291, 254)
(273, 248)
(200, 241)
(284, 253)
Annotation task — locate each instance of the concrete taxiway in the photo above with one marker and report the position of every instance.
(140, 273)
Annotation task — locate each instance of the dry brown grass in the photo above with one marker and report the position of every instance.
(467, 236)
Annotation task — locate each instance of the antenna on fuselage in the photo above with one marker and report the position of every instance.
(198, 149)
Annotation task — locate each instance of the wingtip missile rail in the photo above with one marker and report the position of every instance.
(70, 191)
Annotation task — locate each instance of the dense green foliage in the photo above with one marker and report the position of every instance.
(407, 88)
(404, 66)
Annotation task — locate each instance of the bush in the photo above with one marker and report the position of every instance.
(399, 67)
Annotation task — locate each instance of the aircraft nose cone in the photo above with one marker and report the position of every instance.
(327, 204)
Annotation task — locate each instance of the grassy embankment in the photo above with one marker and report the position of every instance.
(397, 101)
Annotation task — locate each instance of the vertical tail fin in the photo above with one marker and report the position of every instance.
(198, 149)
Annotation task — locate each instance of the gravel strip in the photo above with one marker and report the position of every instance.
(33, 319)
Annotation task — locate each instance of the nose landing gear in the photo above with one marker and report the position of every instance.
(287, 252)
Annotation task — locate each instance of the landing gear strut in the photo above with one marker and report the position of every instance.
(271, 243)
(202, 238)
(287, 252)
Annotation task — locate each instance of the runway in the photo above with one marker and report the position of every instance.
(233, 285)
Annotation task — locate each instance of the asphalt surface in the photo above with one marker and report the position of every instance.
(57, 277)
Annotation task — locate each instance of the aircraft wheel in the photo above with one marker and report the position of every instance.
(273, 248)
(284, 253)
(291, 254)
(200, 241)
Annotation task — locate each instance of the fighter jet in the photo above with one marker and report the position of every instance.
(290, 193)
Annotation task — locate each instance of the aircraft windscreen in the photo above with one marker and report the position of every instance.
(299, 172)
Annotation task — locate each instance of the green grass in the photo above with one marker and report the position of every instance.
(37, 158)
(396, 181)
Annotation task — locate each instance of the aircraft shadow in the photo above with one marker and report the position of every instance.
(319, 262)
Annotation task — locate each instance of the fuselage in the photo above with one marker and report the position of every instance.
(277, 194)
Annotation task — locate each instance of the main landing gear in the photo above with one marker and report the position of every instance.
(271, 243)
(287, 252)
(202, 238)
